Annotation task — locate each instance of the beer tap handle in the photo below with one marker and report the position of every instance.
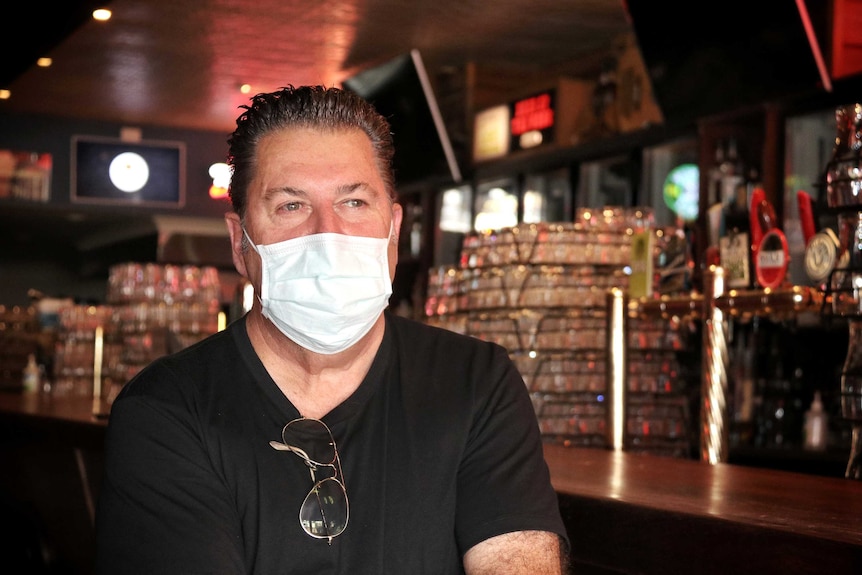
(758, 196)
(806, 215)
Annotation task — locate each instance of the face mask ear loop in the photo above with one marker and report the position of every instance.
(248, 237)
(392, 237)
(254, 247)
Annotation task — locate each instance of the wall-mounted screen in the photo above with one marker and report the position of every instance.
(113, 171)
(401, 91)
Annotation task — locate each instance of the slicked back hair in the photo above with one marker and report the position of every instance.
(304, 107)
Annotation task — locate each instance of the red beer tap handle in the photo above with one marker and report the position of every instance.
(806, 215)
(758, 196)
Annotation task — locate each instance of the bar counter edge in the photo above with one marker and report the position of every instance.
(638, 513)
(625, 512)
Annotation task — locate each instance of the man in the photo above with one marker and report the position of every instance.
(319, 433)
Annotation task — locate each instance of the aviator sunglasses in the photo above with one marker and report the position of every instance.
(325, 510)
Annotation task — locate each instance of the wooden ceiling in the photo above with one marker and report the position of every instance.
(180, 63)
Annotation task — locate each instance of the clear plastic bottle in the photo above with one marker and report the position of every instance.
(816, 425)
(32, 376)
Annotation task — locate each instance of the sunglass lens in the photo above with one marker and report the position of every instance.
(324, 512)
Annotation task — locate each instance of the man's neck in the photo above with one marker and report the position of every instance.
(314, 383)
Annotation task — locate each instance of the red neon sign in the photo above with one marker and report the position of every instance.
(534, 113)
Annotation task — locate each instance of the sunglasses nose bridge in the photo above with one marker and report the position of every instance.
(314, 452)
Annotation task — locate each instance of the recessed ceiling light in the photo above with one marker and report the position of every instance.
(44, 62)
(245, 88)
(5, 94)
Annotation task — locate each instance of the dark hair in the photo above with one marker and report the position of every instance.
(306, 107)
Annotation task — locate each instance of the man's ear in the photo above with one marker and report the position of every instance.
(237, 238)
(397, 215)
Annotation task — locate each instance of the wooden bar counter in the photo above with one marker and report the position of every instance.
(630, 513)
(74, 419)
(51, 461)
(626, 513)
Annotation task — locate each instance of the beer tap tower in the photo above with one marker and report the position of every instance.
(844, 286)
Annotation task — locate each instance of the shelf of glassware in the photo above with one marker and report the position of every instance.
(660, 365)
(541, 291)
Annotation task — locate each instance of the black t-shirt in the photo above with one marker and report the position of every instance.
(439, 448)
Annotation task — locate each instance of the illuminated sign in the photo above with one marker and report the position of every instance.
(519, 125)
(532, 121)
(535, 113)
(491, 133)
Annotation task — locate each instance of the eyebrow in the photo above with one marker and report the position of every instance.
(342, 190)
(283, 191)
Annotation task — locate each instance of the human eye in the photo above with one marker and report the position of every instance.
(359, 196)
(290, 207)
(355, 202)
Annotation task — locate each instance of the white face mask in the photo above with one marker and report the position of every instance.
(324, 291)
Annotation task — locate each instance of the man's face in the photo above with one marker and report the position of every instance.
(310, 181)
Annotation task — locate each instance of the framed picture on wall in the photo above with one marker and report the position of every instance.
(114, 171)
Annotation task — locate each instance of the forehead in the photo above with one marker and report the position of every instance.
(307, 144)
(317, 161)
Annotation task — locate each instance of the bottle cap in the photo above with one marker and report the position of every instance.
(817, 403)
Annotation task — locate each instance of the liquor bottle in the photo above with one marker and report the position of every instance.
(713, 195)
(714, 207)
(743, 373)
(732, 173)
(773, 415)
(735, 242)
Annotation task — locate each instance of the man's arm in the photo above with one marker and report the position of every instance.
(161, 508)
(521, 552)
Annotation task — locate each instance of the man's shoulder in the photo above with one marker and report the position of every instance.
(203, 363)
(416, 339)
(421, 333)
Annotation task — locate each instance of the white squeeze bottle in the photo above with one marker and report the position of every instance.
(816, 425)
